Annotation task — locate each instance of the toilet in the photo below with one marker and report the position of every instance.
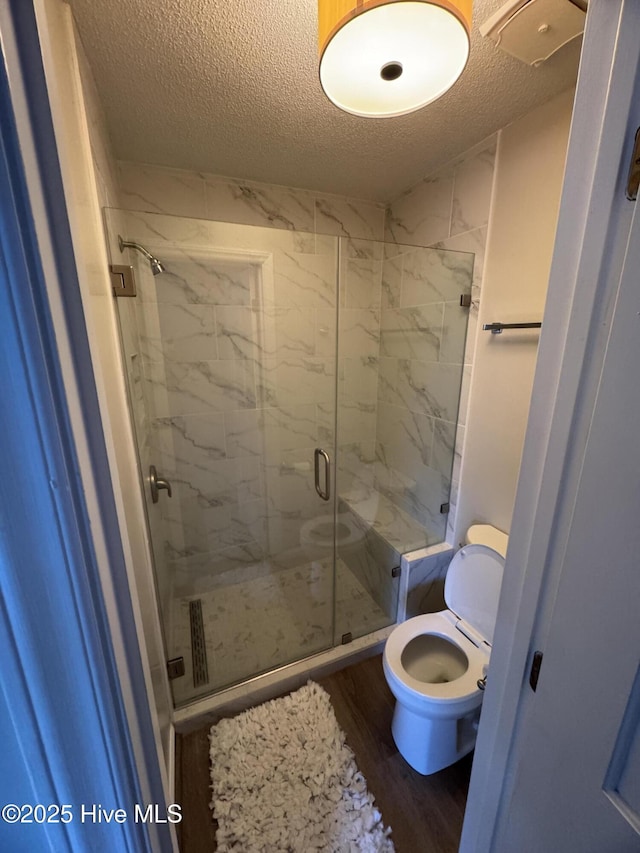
(317, 535)
(433, 663)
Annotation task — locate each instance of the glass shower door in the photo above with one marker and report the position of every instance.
(401, 346)
(231, 360)
(298, 394)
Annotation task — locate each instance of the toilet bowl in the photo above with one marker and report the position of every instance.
(316, 535)
(433, 663)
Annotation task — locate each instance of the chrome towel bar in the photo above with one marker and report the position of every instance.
(496, 328)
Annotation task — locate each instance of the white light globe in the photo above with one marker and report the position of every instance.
(394, 59)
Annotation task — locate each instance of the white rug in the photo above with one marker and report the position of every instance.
(283, 779)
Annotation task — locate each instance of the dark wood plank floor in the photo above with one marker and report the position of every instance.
(425, 812)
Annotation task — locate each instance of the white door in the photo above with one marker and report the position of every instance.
(577, 782)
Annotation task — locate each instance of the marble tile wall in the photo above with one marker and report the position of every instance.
(401, 346)
(132, 348)
(252, 373)
(422, 580)
(301, 314)
(371, 559)
(448, 210)
(358, 363)
(238, 375)
(422, 343)
(155, 189)
(291, 410)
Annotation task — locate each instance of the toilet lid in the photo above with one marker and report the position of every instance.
(472, 587)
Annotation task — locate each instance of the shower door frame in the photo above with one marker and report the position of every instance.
(262, 260)
(374, 576)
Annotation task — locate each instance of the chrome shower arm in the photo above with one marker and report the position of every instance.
(156, 266)
(128, 244)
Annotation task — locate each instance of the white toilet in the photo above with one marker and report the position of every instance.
(433, 663)
(317, 535)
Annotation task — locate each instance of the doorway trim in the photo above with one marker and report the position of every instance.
(593, 226)
(60, 531)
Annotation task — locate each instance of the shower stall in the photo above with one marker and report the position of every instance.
(294, 399)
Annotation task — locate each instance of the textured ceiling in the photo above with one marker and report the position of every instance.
(231, 87)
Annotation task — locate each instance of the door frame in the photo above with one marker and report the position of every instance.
(590, 242)
(81, 180)
(593, 227)
(73, 674)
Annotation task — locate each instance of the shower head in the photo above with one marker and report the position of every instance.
(156, 266)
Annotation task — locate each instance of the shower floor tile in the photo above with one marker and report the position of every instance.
(252, 626)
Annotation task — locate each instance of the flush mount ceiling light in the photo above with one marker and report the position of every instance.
(383, 58)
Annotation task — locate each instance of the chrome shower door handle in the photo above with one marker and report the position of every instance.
(325, 493)
(156, 483)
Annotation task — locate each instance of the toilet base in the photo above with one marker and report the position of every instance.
(428, 744)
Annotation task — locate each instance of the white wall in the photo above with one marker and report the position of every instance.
(526, 196)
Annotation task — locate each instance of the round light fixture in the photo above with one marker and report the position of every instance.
(382, 58)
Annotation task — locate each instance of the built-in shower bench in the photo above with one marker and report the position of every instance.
(391, 539)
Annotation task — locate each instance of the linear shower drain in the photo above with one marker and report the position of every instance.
(198, 647)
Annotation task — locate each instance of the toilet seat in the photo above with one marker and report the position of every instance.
(442, 624)
(312, 532)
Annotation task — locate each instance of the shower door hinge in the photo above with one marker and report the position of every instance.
(396, 571)
(633, 181)
(465, 300)
(175, 668)
(123, 282)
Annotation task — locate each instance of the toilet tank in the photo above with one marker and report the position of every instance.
(487, 534)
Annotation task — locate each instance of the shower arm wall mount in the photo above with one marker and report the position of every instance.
(156, 266)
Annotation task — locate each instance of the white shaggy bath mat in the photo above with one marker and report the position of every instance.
(283, 779)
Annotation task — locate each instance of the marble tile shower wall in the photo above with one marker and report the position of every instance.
(422, 343)
(447, 210)
(243, 463)
(358, 366)
(196, 195)
(238, 350)
(130, 336)
(399, 329)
